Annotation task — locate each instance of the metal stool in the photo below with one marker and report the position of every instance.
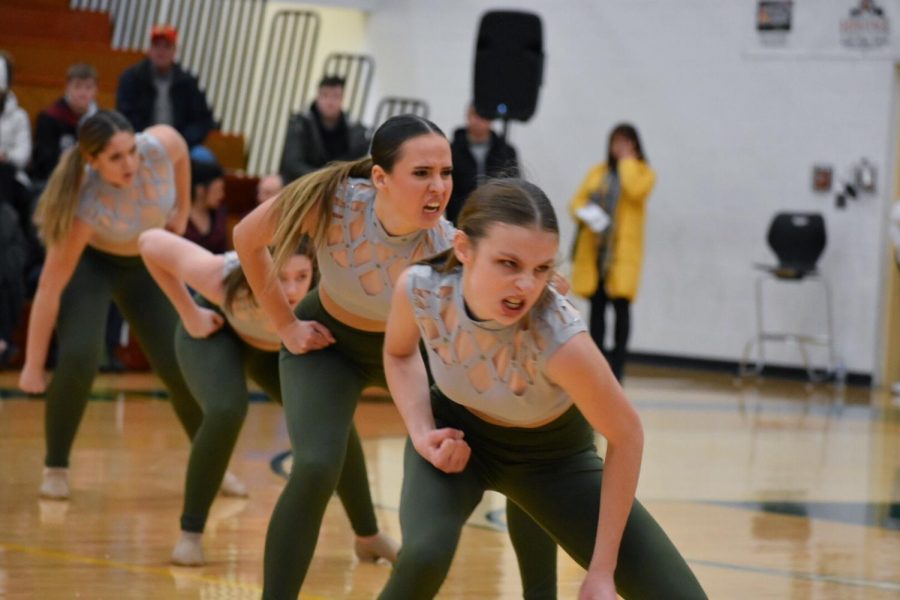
(798, 240)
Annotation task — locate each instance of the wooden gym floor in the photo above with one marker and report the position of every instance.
(770, 490)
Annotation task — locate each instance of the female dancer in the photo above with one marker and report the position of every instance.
(367, 219)
(519, 385)
(220, 337)
(101, 196)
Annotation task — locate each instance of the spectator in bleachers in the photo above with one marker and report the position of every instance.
(12, 281)
(322, 135)
(207, 225)
(57, 125)
(479, 154)
(15, 146)
(268, 187)
(158, 90)
(18, 244)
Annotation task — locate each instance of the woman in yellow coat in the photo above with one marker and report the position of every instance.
(609, 242)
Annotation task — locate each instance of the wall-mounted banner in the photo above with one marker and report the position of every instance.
(774, 15)
(866, 26)
(855, 29)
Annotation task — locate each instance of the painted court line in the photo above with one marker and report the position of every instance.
(893, 586)
(132, 568)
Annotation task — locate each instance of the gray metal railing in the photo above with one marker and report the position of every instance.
(283, 86)
(222, 42)
(357, 71)
(391, 106)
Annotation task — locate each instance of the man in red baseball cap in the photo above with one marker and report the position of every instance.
(158, 90)
(164, 32)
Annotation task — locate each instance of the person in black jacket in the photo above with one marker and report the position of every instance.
(57, 125)
(321, 135)
(478, 154)
(158, 91)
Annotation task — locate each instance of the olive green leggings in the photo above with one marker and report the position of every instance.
(215, 369)
(98, 279)
(554, 473)
(320, 392)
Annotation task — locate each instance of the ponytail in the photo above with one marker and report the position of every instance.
(309, 201)
(306, 205)
(59, 202)
(57, 205)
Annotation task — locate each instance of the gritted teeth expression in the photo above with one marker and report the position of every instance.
(507, 271)
(420, 182)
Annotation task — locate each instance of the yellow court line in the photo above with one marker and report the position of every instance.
(160, 571)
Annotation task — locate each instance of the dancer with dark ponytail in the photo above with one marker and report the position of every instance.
(367, 220)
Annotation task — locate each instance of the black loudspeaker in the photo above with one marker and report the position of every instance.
(509, 65)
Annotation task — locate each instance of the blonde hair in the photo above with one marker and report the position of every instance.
(312, 196)
(58, 203)
(235, 283)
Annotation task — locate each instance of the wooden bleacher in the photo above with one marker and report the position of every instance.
(46, 37)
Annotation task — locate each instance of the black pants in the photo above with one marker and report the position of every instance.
(554, 474)
(98, 279)
(622, 309)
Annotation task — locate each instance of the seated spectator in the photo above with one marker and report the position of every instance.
(57, 126)
(268, 186)
(15, 147)
(207, 224)
(12, 280)
(478, 155)
(322, 135)
(158, 90)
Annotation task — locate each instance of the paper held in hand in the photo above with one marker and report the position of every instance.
(594, 217)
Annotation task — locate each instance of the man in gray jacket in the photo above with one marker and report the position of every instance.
(321, 135)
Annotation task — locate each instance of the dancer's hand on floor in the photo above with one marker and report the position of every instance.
(32, 381)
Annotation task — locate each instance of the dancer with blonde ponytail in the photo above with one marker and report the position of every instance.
(104, 192)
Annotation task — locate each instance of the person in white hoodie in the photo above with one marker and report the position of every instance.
(15, 144)
(15, 214)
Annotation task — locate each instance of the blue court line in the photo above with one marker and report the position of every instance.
(277, 463)
(100, 396)
(884, 515)
(497, 522)
(768, 407)
(754, 406)
(112, 394)
(892, 586)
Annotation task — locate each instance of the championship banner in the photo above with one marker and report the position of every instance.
(848, 29)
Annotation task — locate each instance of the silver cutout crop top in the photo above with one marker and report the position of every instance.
(360, 262)
(120, 215)
(244, 315)
(496, 369)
